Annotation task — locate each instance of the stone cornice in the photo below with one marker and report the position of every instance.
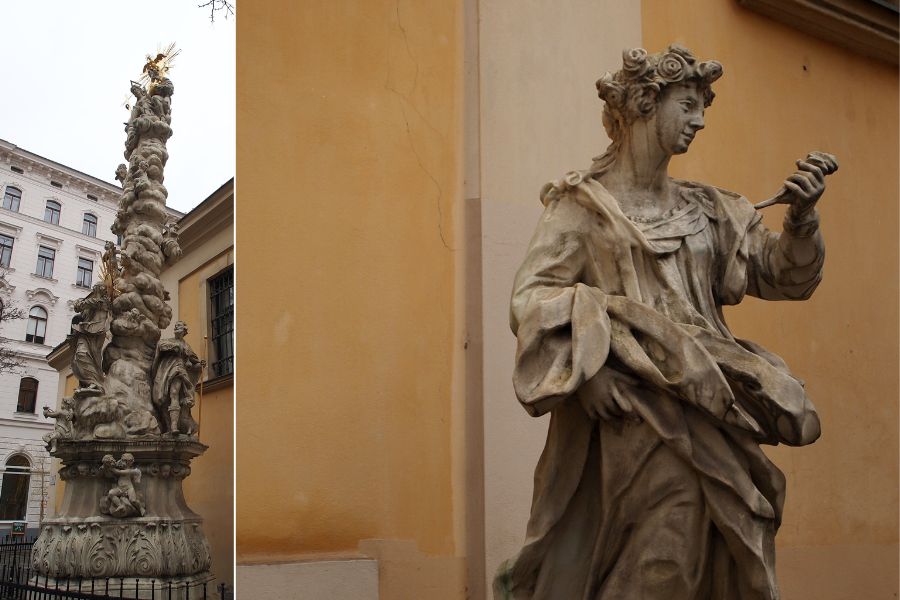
(869, 27)
(10, 153)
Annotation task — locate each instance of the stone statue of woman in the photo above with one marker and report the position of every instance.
(652, 484)
(89, 332)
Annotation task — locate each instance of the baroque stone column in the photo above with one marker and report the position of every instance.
(126, 437)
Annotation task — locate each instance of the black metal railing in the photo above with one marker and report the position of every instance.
(18, 581)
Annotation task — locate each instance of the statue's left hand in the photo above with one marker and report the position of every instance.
(806, 186)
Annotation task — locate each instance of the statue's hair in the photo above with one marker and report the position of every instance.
(633, 92)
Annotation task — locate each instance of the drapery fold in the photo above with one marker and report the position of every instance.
(604, 305)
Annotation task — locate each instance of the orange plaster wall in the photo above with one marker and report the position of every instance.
(840, 532)
(70, 386)
(348, 172)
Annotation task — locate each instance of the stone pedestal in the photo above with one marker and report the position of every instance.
(164, 545)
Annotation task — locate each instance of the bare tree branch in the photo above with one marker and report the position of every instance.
(217, 5)
(10, 362)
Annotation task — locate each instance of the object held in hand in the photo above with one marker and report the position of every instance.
(827, 162)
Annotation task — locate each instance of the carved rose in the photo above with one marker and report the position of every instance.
(610, 91)
(672, 67)
(634, 62)
(683, 53)
(709, 71)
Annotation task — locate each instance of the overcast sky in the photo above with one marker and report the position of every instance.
(65, 76)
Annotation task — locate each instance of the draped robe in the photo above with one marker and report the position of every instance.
(676, 500)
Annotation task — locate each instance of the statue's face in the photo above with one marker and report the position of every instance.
(679, 116)
(180, 329)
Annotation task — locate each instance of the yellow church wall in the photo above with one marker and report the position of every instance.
(349, 161)
(68, 384)
(783, 94)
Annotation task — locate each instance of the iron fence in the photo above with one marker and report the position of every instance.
(18, 581)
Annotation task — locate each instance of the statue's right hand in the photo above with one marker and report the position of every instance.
(602, 396)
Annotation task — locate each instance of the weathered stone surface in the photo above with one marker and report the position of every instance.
(168, 538)
(147, 547)
(652, 483)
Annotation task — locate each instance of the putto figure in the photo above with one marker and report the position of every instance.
(122, 500)
(652, 483)
(176, 371)
(63, 429)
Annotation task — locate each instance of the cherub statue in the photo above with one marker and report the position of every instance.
(63, 429)
(121, 172)
(122, 500)
(89, 328)
(175, 373)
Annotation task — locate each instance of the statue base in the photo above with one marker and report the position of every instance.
(165, 543)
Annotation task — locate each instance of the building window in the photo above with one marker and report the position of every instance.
(92, 197)
(85, 270)
(37, 325)
(221, 297)
(6, 244)
(12, 197)
(56, 184)
(89, 226)
(14, 488)
(18, 170)
(28, 388)
(51, 212)
(46, 257)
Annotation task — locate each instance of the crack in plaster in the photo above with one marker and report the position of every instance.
(406, 100)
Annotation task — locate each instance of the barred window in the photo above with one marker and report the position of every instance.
(12, 197)
(89, 226)
(28, 388)
(221, 297)
(46, 258)
(85, 271)
(14, 488)
(6, 245)
(37, 325)
(51, 212)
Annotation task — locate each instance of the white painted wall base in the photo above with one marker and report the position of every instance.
(347, 579)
